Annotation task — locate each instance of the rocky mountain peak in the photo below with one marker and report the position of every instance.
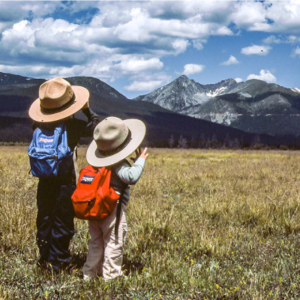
(184, 92)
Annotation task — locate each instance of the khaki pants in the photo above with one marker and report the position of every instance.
(105, 253)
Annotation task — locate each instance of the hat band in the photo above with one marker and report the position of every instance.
(119, 148)
(59, 109)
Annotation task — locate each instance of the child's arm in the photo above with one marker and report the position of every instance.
(131, 175)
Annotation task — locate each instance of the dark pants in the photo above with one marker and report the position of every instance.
(55, 221)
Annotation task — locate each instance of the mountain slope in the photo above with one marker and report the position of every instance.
(16, 98)
(245, 105)
(183, 92)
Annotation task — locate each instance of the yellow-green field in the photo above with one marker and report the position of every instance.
(203, 224)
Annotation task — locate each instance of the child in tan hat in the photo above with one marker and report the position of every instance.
(114, 140)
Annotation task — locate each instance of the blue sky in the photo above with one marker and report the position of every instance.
(138, 46)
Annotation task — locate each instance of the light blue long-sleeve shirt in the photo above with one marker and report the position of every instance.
(124, 175)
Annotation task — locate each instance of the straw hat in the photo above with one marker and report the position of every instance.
(114, 140)
(57, 100)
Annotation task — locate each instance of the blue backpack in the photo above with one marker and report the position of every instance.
(49, 153)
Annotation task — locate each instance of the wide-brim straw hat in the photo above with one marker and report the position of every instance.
(114, 140)
(57, 100)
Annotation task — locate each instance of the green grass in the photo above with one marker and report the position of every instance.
(203, 224)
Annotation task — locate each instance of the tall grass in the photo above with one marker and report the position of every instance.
(202, 225)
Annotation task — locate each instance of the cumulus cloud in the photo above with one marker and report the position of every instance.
(255, 49)
(137, 65)
(264, 75)
(296, 52)
(133, 36)
(238, 80)
(143, 86)
(192, 69)
(272, 39)
(231, 61)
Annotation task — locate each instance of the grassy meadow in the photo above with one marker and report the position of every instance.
(203, 224)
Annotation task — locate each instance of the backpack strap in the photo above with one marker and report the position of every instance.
(118, 216)
(75, 164)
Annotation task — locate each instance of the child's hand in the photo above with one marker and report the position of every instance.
(86, 105)
(139, 153)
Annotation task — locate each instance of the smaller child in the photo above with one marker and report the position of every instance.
(114, 140)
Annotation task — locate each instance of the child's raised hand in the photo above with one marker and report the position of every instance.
(139, 153)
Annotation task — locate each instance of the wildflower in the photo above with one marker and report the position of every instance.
(240, 268)
(260, 241)
(46, 294)
(282, 242)
(181, 241)
(270, 293)
(232, 253)
(229, 272)
(291, 258)
(217, 265)
(192, 262)
(280, 280)
(207, 269)
(143, 270)
(159, 295)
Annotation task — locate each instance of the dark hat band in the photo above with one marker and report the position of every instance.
(58, 109)
(119, 148)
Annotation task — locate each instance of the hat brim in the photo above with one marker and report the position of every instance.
(138, 131)
(81, 97)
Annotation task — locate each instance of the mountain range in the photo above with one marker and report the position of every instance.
(252, 106)
(163, 124)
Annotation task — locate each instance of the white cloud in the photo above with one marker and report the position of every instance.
(246, 14)
(143, 86)
(198, 44)
(272, 39)
(127, 38)
(231, 61)
(138, 65)
(238, 80)
(296, 52)
(255, 49)
(180, 45)
(264, 75)
(192, 69)
(224, 31)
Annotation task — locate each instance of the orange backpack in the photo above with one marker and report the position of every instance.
(94, 198)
